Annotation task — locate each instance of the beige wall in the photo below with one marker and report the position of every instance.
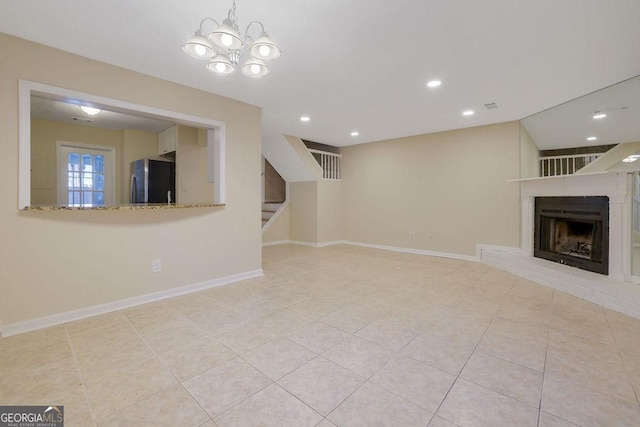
(44, 135)
(529, 156)
(53, 262)
(275, 189)
(303, 208)
(191, 168)
(278, 230)
(313, 214)
(136, 144)
(330, 213)
(450, 189)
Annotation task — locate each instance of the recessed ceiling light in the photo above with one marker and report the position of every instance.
(434, 83)
(468, 113)
(305, 118)
(90, 110)
(630, 159)
(599, 116)
(355, 133)
(592, 138)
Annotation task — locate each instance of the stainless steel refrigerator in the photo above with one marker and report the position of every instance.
(153, 181)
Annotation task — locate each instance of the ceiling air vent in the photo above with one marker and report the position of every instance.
(80, 119)
(491, 106)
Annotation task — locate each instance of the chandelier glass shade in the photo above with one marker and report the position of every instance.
(224, 46)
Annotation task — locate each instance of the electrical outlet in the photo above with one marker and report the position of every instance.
(156, 266)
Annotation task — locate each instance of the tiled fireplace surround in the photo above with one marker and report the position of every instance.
(615, 291)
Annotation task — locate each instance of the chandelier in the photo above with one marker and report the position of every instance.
(224, 46)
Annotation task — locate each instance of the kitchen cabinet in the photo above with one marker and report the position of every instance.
(167, 140)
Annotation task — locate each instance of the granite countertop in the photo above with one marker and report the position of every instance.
(124, 207)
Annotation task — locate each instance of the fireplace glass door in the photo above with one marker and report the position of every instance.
(573, 231)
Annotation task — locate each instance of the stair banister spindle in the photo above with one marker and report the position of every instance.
(325, 165)
(329, 164)
(333, 168)
(566, 164)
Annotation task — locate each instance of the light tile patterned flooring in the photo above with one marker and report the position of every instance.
(341, 336)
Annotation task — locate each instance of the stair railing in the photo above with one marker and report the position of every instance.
(329, 163)
(565, 165)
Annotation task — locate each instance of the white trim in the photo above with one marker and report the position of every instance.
(217, 138)
(83, 313)
(24, 144)
(276, 214)
(317, 245)
(374, 246)
(276, 242)
(414, 251)
(216, 153)
(331, 243)
(62, 170)
(612, 184)
(301, 243)
(542, 178)
(494, 248)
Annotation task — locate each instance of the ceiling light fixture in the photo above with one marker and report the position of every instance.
(92, 111)
(592, 138)
(355, 133)
(632, 158)
(225, 44)
(434, 83)
(305, 118)
(468, 113)
(599, 115)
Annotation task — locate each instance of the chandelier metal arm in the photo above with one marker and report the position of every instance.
(246, 32)
(208, 19)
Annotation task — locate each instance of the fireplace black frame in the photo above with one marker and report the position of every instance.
(580, 209)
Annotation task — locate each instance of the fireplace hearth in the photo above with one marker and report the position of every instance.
(573, 231)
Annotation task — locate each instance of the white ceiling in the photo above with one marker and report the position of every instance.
(68, 112)
(363, 64)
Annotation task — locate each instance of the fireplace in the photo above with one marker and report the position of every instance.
(573, 231)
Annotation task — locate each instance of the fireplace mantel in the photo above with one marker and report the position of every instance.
(615, 185)
(616, 291)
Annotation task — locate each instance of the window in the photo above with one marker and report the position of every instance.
(86, 175)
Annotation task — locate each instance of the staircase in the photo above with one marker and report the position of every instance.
(568, 161)
(268, 209)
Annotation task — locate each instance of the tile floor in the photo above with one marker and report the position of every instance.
(342, 336)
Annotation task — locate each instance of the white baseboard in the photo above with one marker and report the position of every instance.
(83, 313)
(303, 243)
(375, 246)
(276, 242)
(316, 245)
(413, 251)
(495, 248)
(332, 243)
